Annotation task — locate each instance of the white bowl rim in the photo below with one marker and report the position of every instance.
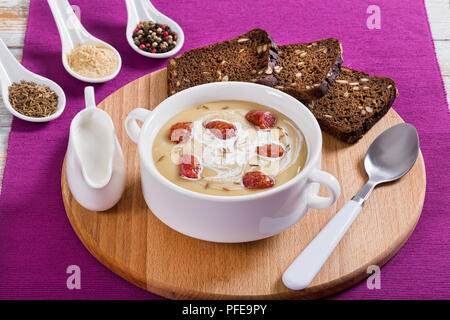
(309, 166)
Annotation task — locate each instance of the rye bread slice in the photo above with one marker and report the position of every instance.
(354, 103)
(307, 70)
(250, 57)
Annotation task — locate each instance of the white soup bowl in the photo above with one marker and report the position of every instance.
(231, 218)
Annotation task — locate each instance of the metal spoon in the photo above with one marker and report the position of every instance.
(11, 71)
(143, 10)
(390, 157)
(73, 33)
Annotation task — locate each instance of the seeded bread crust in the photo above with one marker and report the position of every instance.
(307, 70)
(354, 103)
(250, 57)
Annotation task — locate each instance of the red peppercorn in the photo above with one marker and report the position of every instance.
(147, 45)
(165, 34)
(153, 50)
(142, 46)
(164, 26)
(136, 30)
(175, 37)
(142, 40)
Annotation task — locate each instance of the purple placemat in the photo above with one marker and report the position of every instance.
(37, 243)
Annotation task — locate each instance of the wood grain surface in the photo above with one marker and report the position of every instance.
(133, 243)
(13, 21)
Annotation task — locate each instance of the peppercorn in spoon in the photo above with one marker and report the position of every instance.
(12, 73)
(73, 35)
(159, 36)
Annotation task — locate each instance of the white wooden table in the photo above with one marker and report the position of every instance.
(13, 21)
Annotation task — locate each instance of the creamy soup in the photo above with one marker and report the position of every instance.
(196, 152)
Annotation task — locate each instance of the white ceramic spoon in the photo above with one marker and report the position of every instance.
(72, 33)
(143, 10)
(12, 71)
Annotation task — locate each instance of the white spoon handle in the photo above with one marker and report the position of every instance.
(70, 29)
(306, 266)
(4, 59)
(141, 9)
(89, 97)
(10, 68)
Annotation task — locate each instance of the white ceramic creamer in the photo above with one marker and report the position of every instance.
(95, 166)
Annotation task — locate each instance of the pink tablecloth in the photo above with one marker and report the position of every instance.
(37, 243)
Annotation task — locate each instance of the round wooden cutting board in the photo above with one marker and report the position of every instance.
(132, 242)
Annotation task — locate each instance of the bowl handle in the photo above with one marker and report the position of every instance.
(329, 181)
(133, 129)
